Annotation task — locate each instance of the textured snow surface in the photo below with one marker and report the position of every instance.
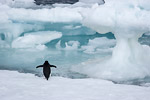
(20, 86)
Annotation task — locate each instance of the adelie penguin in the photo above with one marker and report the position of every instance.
(46, 69)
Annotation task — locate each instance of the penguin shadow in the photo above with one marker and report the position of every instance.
(46, 69)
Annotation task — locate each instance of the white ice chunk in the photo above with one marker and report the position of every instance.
(133, 20)
(100, 45)
(18, 3)
(57, 14)
(12, 31)
(32, 40)
(71, 27)
(70, 45)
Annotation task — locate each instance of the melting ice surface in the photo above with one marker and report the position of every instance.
(68, 37)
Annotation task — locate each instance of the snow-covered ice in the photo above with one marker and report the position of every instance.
(20, 86)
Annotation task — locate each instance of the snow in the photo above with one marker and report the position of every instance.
(16, 86)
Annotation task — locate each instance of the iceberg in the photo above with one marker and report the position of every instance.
(128, 21)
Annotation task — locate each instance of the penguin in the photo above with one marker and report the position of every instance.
(46, 69)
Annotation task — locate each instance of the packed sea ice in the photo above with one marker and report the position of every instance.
(16, 86)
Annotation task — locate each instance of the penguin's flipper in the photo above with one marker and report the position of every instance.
(53, 66)
(39, 66)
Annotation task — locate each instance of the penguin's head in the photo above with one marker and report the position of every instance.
(46, 61)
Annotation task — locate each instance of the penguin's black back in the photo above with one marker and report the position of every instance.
(46, 70)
